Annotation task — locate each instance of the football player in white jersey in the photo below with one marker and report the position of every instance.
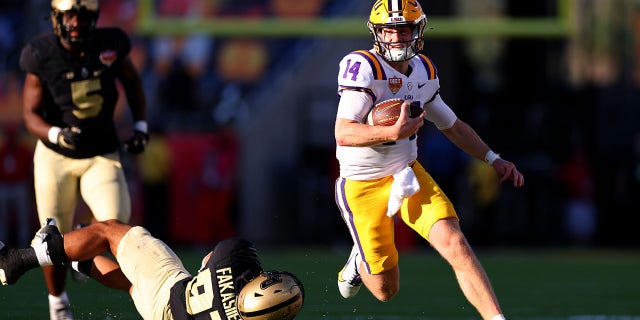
(379, 174)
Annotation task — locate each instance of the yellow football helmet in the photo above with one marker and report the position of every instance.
(87, 12)
(272, 295)
(393, 14)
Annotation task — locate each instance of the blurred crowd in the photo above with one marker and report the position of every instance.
(195, 86)
(186, 77)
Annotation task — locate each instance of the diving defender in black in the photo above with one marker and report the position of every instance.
(233, 263)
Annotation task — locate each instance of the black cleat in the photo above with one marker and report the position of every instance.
(50, 235)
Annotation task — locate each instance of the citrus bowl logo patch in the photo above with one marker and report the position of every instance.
(395, 84)
(108, 57)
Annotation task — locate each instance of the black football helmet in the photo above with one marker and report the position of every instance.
(87, 12)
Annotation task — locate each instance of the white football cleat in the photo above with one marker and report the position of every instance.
(349, 280)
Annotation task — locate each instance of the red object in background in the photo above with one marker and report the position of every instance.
(16, 159)
(16, 204)
(203, 175)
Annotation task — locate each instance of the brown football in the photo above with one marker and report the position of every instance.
(387, 112)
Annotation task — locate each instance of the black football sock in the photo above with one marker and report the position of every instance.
(83, 267)
(15, 262)
(22, 258)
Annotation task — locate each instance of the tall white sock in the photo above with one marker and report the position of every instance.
(499, 317)
(42, 253)
(61, 299)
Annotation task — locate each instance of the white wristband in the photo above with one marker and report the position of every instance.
(53, 134)
(141, 126)
(491, 156)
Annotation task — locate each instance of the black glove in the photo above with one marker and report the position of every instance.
(69, 138)
(137, 142)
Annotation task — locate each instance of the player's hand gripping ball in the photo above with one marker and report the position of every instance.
(387, 112)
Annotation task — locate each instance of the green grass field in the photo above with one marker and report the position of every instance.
(531, 284)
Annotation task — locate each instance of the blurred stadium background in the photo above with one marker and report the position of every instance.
(242, 96)
(242, 99)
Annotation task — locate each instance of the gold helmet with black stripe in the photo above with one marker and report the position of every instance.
(395, 14)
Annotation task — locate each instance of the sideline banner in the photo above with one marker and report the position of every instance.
(203, 180)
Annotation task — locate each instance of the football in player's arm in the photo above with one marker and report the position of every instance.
(380, 176)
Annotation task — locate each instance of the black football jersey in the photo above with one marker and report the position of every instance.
(211, 294)
(80, 91)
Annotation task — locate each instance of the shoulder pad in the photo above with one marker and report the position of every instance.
(114, 38)
(429, 66)
(38, 50)
(376, 67)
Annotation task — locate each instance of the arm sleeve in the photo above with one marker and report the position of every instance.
(354, 105)
(438, 112)
(123, 41)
